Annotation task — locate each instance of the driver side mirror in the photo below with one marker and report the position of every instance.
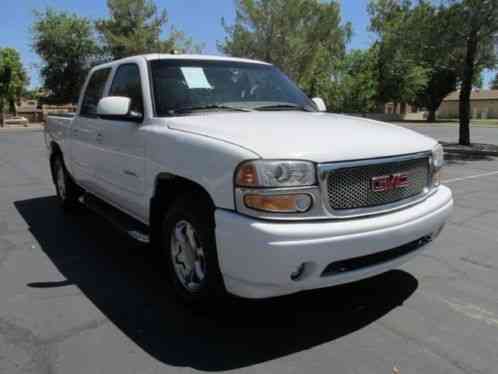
(320, 104)
(117, 108)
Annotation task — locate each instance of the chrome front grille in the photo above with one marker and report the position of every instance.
(350, 187)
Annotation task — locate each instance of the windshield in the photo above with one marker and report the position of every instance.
(184, 86)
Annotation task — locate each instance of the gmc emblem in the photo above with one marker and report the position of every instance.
(386, 183)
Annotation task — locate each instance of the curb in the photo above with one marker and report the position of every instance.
(469, 152)
(21, 128)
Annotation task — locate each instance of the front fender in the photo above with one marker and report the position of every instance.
(209, 162)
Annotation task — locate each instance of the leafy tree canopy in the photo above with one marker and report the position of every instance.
(13, 78)
(136, 27)
(66, 45)
(304, 38)
(422, 36)
(354, 83)
(405, 35)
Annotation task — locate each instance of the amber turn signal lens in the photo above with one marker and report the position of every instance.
(299, 203)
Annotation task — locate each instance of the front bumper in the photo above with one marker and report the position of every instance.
(258, 258)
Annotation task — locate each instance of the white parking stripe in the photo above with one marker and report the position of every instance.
(473, 311)
(471, 177)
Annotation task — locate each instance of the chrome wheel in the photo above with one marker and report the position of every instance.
(188, 257)
(60, 180)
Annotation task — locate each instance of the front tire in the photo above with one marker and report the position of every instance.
(189, 249)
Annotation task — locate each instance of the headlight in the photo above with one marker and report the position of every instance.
(437, 164)
(263, 173)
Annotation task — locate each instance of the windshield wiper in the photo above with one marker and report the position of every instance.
(285, 106)
(208, 107)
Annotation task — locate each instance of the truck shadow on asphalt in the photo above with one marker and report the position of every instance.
(124, 281)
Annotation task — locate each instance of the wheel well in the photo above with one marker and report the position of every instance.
(167, 189)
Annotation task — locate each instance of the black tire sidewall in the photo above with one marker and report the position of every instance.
(70, 200)
(201, 216)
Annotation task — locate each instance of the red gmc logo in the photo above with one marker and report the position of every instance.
(386, 183)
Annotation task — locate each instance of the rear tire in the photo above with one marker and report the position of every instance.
(67, 191)
(189, 248)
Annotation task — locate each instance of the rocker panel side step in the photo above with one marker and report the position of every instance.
(122, 221)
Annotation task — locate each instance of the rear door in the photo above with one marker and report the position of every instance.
(84, 157)
(121, 169)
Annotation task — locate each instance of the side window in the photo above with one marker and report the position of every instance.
(127, 83)
(94, 92)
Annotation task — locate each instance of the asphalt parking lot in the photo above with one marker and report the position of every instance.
(77, 297)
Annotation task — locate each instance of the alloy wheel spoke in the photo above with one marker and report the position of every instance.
(188, 256)
(198, 270)
(180, 235)
(190, 235)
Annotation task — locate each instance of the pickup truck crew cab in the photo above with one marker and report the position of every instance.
(242, 182)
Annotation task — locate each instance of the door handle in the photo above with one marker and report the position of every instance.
(99, 137)
(130, 173)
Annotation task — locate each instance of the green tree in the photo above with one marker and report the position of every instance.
(429, 35)
(442, 81)
(476, 24)
(494, 83)
(31, 93)
(305, 38)
(67, 47)
(402, 75)
(355, 83)
(13, 79)
(135, 27)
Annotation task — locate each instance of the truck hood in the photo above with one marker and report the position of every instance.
(319, 137)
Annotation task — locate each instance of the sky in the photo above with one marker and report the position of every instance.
(199, 19)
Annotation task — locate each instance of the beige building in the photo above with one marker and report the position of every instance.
(483, 104)
(405, 112)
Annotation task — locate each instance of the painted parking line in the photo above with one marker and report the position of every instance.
(471, 177)
(472, 311)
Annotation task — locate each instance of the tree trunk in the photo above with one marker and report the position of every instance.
(466, 90)
(432, 116)
(12, 107)
(402, 109)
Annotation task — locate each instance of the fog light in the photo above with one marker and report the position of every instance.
(303, 203)
(297, 203)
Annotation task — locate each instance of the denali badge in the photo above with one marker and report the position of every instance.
(386, 183)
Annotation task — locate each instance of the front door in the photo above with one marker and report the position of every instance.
(84, 131)
(121, 168)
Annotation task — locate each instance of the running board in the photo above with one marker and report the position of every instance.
(123, 222)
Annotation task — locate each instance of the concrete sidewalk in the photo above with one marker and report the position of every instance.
(30, 127)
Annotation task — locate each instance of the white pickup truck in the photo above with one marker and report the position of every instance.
(241, 181)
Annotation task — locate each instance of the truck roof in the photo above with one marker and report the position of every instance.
(158, 56)
(165, 56)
